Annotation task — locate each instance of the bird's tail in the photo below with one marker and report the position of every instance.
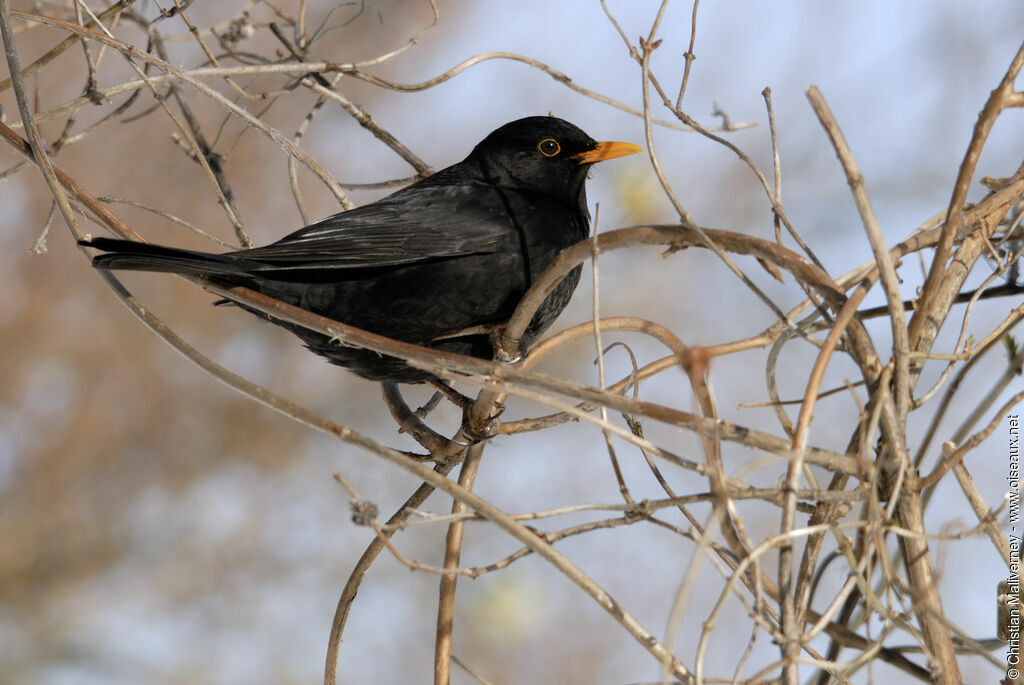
(130, 255)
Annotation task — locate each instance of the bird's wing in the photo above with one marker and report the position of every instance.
(420, 223)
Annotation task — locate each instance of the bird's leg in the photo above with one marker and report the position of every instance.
(460, 400)
(428, 406)
(453, 395)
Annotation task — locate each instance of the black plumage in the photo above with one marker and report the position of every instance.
(453, 251)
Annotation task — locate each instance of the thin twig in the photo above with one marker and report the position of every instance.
(887, 270)
(452, 555)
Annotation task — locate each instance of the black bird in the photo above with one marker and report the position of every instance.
(453, 251)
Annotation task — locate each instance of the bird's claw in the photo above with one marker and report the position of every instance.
(488, 431)
(502, 344)
(475, 437)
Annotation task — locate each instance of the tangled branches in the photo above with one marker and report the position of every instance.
(862, 508)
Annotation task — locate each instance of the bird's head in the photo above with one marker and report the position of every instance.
(546, 154)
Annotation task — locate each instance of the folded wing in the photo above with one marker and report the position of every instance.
(417, 224)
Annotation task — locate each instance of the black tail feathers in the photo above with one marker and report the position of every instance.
(129, 255)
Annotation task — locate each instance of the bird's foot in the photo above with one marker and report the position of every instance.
(506, 349)
(478, 433)
(468, 436)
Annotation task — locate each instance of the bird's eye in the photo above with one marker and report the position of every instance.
(549, 147)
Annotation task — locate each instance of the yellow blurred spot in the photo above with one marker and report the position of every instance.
(639, 196)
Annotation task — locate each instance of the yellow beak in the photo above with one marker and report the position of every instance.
(607, 150)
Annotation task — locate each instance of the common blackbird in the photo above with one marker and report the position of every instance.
(453, 251)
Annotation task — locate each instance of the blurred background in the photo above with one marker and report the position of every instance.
(156, 527)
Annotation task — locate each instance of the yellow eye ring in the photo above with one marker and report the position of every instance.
(549, 147)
